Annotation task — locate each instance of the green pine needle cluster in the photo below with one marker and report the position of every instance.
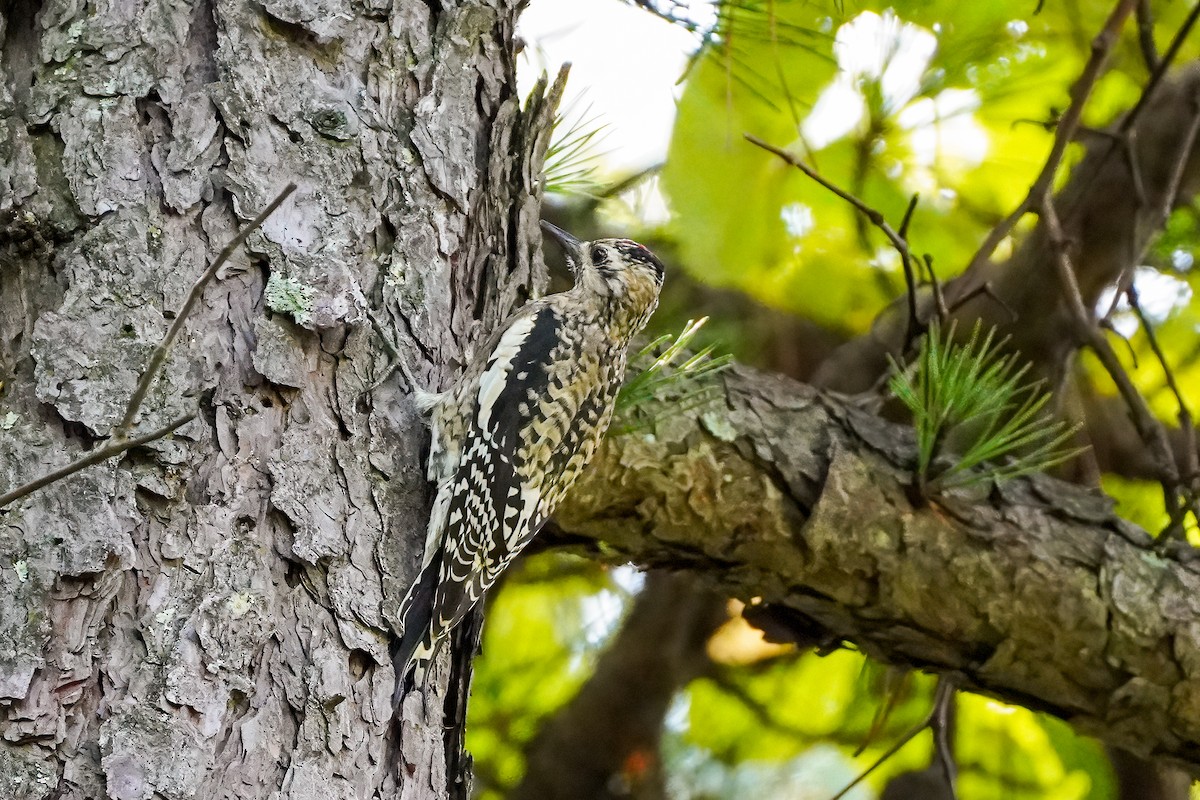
(976, 395)
(670, 369)
(572, 159)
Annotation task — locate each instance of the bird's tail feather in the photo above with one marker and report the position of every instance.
(416, 613)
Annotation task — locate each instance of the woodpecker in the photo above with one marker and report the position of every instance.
(513, 432)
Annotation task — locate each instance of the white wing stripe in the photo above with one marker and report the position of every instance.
(493, 380)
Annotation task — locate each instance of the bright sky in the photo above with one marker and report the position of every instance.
(625, 63)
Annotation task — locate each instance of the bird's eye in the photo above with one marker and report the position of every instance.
(599, 255)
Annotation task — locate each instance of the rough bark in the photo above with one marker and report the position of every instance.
(208, 615)
(1035, 593)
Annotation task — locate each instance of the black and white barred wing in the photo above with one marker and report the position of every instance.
(511, 450)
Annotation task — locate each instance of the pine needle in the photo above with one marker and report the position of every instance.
(572, 164)
(662, 375)
(976, 393)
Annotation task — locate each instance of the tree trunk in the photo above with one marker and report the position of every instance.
(208, 615)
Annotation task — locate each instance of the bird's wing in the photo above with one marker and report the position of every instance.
(511, 436)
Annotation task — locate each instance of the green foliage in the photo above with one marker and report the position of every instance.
(762, 730)
(1019, 754)
(791, 708)
(666, 367)
(543, 634)
(967, 125)
(572, 160)
(977, 390)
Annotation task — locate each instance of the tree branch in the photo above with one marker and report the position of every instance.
(1037, 594)
(1103, 217)
(1065, 130)
(160, 352)
(114, 447)
(898, 240)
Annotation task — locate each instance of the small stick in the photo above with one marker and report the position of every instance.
(938, 723)
(1088, 334)
(1186, 426)
(1161, 70)
(114, 447)
(874, 217)
(1145, 21)
(1064, 131)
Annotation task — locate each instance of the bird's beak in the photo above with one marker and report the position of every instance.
(570, 245)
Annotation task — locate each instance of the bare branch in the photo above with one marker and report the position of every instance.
(114, 447)
(1022, 593)
(874, 217)
(1145, 21)
(940, 717)
(1157, 76)
(908, 736)
(1190, 470)
(120, 441)
(1064, 131)
(1171, 196)
(1089, 335)
(938, 722)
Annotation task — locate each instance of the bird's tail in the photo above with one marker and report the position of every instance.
(412, 651)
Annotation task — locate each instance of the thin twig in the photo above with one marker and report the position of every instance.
(1161, 70)
(1064, 132)
(908, 213)
(1148, 427)
(1145, 24)
(1125, 135)
(1186, 473)
(941, 723)
(1106, 324)
(939, 299)
(938, 723)
(1190, 468)
(114, 447)
(668, 16)
(1182, 156)
(874, 217)
(1124, 281)
(160, 353)
(1129, 145)
(987, 291)
(908, 736)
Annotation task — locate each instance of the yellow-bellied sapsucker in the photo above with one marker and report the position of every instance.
(511, 435)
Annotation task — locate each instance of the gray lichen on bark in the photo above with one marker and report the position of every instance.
(207, 616)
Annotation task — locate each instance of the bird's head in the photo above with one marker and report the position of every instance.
(621, 271)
